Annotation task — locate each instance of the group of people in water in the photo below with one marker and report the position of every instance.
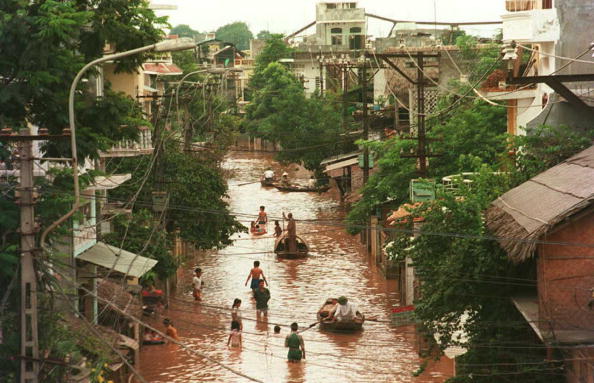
(259, 226)
(261, 295)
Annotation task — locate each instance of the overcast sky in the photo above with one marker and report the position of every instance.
(287, 16)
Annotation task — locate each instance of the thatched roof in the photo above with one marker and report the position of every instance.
(527, 212)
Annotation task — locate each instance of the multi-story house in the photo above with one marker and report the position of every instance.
(555, 86)
(341, 33)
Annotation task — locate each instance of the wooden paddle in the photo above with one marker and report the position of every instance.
(248, 183)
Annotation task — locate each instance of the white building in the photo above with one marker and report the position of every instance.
(553, 32)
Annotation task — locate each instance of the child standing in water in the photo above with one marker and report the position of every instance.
(256, 274)
(235, 336)
(294, 342)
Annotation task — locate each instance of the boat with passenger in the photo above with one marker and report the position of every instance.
(257, 229)
(281, 248)
(326, 318)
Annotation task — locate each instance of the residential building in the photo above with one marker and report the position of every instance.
(340, 33)
(553, 239)
(552, 33)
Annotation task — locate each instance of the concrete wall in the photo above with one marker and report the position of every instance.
(576, 18)
(566, 275)
(326, 19)
(130, 83)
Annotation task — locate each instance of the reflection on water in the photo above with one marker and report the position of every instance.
(298, 288)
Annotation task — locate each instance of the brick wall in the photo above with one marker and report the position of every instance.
(566, 275)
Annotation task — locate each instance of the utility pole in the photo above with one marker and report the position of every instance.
(25, 199)
(365, 123)
(321, 78)
(421, 150)
(345, 89)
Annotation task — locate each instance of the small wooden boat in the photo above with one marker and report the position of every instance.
(261, 231)
(281, 250)
(343, 326)
(300, 188)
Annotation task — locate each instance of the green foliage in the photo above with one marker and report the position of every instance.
(196, 192)
(264, 35)
(546, 146)
(473, 131)
(237, 33)
(184, 30)
(186, 60)
(45, 43)
(281, 113)
(466, 274)
(274, 50)
(146, 239)
(477, 62)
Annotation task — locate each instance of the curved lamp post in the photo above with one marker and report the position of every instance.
(163, 46)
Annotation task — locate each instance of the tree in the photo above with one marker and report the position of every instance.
(274, 50)
(184, 30)
(281, 113)
(237, 33)
(264, 35)
(45, 43)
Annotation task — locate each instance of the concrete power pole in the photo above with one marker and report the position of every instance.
(365, 123)
(26, 201)
(25, 198)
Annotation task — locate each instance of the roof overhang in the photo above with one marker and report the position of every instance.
(109, 182)
(162, 69)
(122, 261)
(342, 164)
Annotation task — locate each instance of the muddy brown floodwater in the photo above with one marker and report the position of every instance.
(337, 266)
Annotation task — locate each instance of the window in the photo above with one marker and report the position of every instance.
(355, 30)
(356, 42)
(336, 36)
(337, 40)
(351, 5)
(331, 6)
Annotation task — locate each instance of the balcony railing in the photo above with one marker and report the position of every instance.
(527, 5)
(130, 148)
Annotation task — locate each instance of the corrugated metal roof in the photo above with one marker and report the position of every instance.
(162, 69)
(340, 157)
(530, 210)
(109, 182)
(342, 164)
(122, 261)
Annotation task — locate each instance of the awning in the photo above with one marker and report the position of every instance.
(341, 157)
(122, 261)
(109, 182)
(342, 164)
(162, 69)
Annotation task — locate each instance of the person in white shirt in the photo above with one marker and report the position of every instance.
(311, 182)
(268, 175)
(345, 311)
(197, 284)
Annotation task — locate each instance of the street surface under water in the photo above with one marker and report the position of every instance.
(337, 266)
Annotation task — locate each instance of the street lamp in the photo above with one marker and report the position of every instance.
(163, 46)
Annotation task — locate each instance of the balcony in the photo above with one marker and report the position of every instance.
(530, 21)
(129, 148)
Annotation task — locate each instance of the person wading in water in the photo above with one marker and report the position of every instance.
(295, 344)
(256, 274)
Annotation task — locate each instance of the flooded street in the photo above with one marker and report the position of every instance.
(337, 265)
